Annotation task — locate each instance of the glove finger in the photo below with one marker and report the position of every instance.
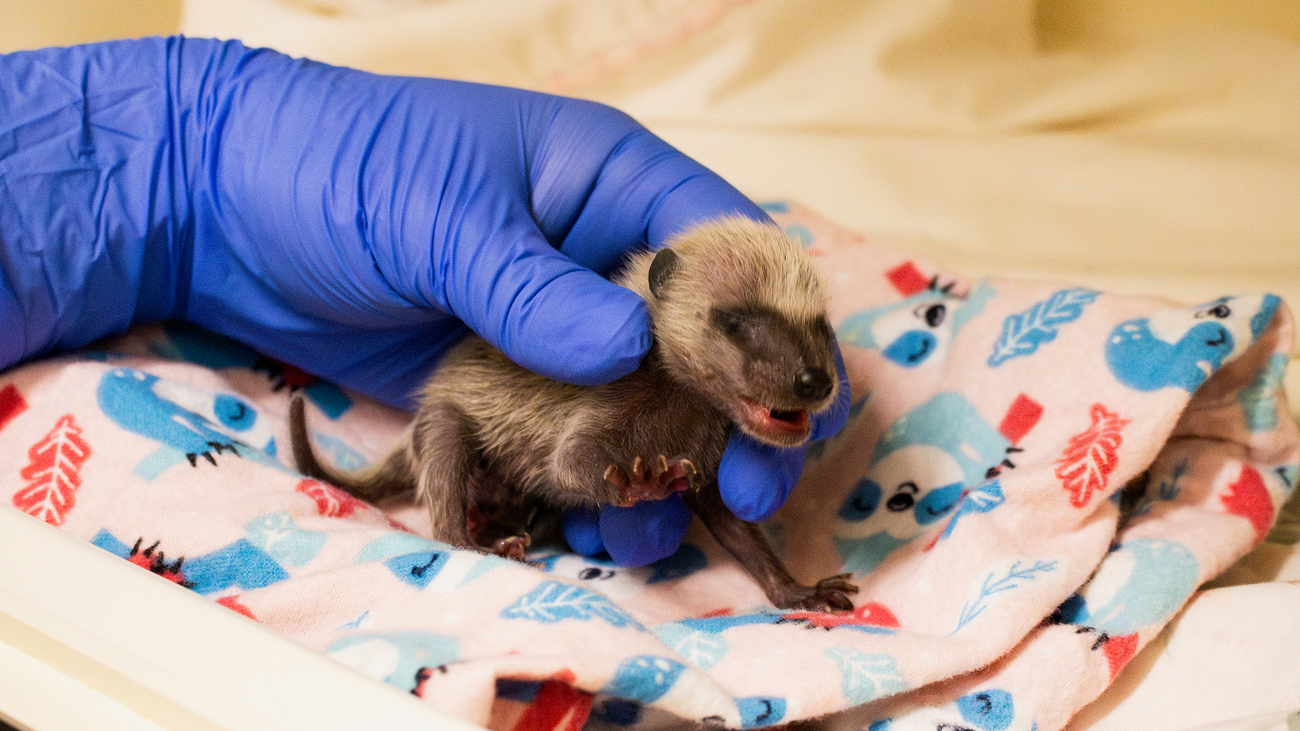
(829, 422)
(544, 311)
(581, 529)
(700, 196)
(645, 532)
(755, 478)
(389, 365)
(644, 191)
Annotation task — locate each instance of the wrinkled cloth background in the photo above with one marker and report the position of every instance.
(1139, 147)
(1009, 441)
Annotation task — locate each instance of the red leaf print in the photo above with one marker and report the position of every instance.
(1090, 457)
(53, 473)
(331, 502)
(1249, 498)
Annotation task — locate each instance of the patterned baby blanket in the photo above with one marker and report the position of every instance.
(1034, 479)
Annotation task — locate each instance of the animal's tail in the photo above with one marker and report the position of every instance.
(390, 477)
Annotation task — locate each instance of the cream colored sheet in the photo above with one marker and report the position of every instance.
(1130, 145)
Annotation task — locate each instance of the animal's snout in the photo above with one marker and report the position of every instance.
(813, 384)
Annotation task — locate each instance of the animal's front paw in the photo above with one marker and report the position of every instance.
(829, 595)
(652, 479)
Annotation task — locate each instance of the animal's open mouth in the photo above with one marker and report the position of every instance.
(785, 427)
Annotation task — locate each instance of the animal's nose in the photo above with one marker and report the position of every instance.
(813, 384)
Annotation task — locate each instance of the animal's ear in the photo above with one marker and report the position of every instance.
(665, 264)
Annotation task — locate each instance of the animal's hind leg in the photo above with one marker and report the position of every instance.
(498, 517)
(443, 456)
(747, 544)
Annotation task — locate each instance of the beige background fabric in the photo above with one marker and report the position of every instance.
(1131, 145)
(1139, 147)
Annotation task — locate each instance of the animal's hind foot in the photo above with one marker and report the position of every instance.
(829, 595)
(496, 531)
(652, 479)
(511, 547)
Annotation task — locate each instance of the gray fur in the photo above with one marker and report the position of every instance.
(741, 337)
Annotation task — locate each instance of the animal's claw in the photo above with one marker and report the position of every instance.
(512, 547)
(829, 595)
(652, 479)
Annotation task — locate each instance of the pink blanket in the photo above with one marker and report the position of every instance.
(1034, 480)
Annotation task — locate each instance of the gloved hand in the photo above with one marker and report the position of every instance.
(348, 223)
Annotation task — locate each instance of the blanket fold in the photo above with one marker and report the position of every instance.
(1034, 479)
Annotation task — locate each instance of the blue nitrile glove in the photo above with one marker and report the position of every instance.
(344, 222)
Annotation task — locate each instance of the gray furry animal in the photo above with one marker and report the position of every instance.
(740, 338)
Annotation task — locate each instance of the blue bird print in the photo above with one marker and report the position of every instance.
(190, 421)
(1182, 347)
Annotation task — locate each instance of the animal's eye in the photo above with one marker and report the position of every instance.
(933, 314)
(730, 323)
(1221, 311)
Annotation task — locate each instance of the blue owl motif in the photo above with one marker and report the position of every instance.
(917, 329)
(921, 469)
(1140, 583)
(1180, 348)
